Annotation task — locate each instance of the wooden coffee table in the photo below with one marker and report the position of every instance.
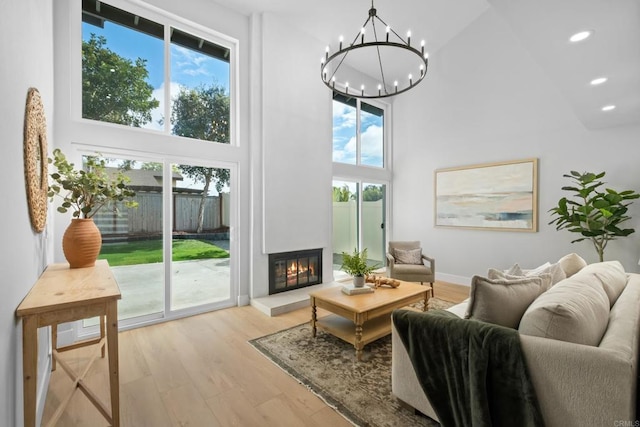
(361, 319)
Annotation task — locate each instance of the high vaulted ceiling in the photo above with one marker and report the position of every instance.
(542, 26)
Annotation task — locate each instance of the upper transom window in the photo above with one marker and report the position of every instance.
(126, 78)
(358, 132)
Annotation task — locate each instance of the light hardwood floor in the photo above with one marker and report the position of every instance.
(201, 371)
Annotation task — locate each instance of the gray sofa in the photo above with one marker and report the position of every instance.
(577, 383)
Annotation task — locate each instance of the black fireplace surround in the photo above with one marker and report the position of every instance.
(294, 270)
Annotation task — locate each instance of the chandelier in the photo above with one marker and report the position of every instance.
(367, 42)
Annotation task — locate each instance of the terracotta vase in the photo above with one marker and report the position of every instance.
(81, 243)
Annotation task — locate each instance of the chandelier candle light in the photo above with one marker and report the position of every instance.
(330, 64)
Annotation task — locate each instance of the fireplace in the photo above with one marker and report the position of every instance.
(294, 270)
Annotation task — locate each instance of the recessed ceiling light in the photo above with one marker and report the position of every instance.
(608, 107)
(598, 81)
(580, 36)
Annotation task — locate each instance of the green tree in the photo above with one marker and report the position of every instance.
(151, 166)
(126, 165)
(372, 193)
(203, 113)
(342, 194)
(114, 89)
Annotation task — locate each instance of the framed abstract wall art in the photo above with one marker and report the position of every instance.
(491, 196)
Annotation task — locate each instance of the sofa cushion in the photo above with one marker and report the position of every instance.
(611, 275)
(503, 301)
(575, 310)
(411, 256)
(411, 269)
(571, 264)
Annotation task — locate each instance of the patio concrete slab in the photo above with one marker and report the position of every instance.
(194, 283)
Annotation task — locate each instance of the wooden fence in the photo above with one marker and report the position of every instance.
(146, 219)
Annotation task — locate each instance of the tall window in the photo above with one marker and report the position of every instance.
(361, 178)
(125, 79)
(358, 132)
(151, 76)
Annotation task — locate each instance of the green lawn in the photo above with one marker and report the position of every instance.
(148, 251)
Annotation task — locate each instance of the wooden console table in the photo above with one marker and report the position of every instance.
(64, 295)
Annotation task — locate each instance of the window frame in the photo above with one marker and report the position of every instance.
(168, 21)
(78, 136)
(361, 174)
(386, 135)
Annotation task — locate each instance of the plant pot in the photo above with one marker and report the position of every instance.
(358, 281)
(81, 243)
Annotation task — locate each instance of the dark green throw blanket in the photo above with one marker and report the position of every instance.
(474, 373)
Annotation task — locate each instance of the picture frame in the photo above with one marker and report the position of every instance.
(499, 196)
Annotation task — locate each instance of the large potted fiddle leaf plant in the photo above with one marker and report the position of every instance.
(85, 191)
(596, 215)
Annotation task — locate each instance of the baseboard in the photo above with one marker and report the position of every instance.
(243, 300)
(43, 388)
(452, 278)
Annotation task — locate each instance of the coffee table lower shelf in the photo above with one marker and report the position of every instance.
(345, 329)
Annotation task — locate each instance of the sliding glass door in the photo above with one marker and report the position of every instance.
(200, 262)
(184, 214)
(359, 218)
(373, 220)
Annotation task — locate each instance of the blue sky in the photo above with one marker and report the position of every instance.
(189, 68)
(344, 136)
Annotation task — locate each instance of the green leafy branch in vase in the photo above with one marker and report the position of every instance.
(87, 190)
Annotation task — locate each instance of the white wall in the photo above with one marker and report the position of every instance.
(26, 49)
(486, 100)
(295, 156)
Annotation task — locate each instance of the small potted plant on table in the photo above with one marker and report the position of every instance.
(355, 265)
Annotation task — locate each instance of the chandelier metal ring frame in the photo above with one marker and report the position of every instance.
(382, 90)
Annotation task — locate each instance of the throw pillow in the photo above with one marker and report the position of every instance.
(571, 264)
(495, 274)
(503, 301)
(574, 311)
(514, 271)
(537, 270)
(411, 256)
(612, 276)
(555, 270)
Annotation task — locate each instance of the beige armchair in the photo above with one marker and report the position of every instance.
(418, 271)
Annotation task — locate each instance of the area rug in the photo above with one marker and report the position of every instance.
(359, 391)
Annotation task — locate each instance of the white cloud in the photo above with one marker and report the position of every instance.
(158, 114)
(344, 116)
(372, 141)
(371, 148)
(189, 62)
